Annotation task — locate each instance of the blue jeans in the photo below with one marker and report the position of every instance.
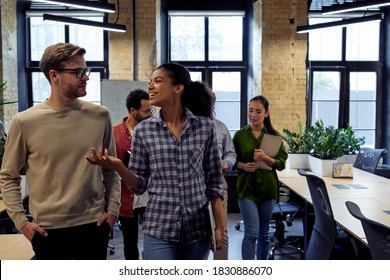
(257, 217)
(156, 249)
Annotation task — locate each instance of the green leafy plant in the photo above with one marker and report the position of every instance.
(296, 141)
(352, 143)
(325, 141)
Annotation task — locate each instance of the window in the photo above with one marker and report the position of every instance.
(344, 71)
(211, 46)
(45, 33)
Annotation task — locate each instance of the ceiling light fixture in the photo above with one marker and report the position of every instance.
(94, 6)
(338, 23)
(355, 6)
(75, 21)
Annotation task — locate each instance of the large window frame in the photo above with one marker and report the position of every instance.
(208, 67)
(31, 66)
(345, 68)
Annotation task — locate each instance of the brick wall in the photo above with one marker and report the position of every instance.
(8, 67)
(123, 47)
(283, 61)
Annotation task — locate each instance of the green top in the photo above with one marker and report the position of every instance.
(260, 185)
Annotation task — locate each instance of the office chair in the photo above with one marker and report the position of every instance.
(327, 240)
(323, 237)
(110, 247)
(368, 159)
(285, 211)
(377, 234)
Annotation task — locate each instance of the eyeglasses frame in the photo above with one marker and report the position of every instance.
(78, 72)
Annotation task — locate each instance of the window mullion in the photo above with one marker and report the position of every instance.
(206, 38)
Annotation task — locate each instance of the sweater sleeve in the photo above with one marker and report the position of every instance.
(13, 160)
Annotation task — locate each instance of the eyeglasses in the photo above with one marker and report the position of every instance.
(148, 111)
(78, 72)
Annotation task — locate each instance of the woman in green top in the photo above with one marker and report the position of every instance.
(257, 189)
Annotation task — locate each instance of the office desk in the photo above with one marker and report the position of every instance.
(15, 247)
(372, 200)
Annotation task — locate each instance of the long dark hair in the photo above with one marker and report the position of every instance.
(196, 95)
(267, 120)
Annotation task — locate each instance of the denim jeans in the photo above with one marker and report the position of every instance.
(157, 249)
(257, 217)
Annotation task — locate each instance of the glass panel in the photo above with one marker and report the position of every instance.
(225, 38)
(41, 88)
(227, 89)
(196, 76)
(326, 93)
(90, 38)
(44, 34)
(363, 41)
(325, 44)
(362, 113)
(187, 38)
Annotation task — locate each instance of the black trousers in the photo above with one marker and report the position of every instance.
(83, 242)
(129, 226)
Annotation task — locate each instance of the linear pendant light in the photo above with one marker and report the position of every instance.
(349, 7)
(339, 23)
(75, 21)
(87, 5)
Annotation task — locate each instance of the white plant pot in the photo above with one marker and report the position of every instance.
(347, 159)
(322, 167)
(295, 161)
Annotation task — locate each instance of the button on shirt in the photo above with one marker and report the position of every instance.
(179, 174)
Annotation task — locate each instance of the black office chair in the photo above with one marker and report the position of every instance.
(324, 231)
(325, 240)
(377, 234)
(368, 159)
(285, 211)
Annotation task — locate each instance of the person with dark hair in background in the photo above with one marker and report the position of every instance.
(257, 189)
(73, 205)
(228, 157)
(175, 157)
(139, 109)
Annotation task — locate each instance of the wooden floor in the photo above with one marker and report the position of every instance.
(235, 240)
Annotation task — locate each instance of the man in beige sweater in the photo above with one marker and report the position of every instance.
(74, 205)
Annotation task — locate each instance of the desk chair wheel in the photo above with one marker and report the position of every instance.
(238, 225)
(112, 249)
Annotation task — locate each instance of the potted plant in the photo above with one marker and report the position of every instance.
(327, 144)
(298, 147)
(353, 144)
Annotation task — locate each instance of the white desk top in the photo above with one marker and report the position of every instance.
(372, 199)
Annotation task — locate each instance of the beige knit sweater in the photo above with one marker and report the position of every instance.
(65, 190)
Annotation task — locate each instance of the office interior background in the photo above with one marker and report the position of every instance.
(239, 48)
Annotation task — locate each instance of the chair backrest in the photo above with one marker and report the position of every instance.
(324, 231)
(368, 159)
(377, 234)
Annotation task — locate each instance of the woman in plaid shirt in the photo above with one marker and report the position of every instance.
(175, 158)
